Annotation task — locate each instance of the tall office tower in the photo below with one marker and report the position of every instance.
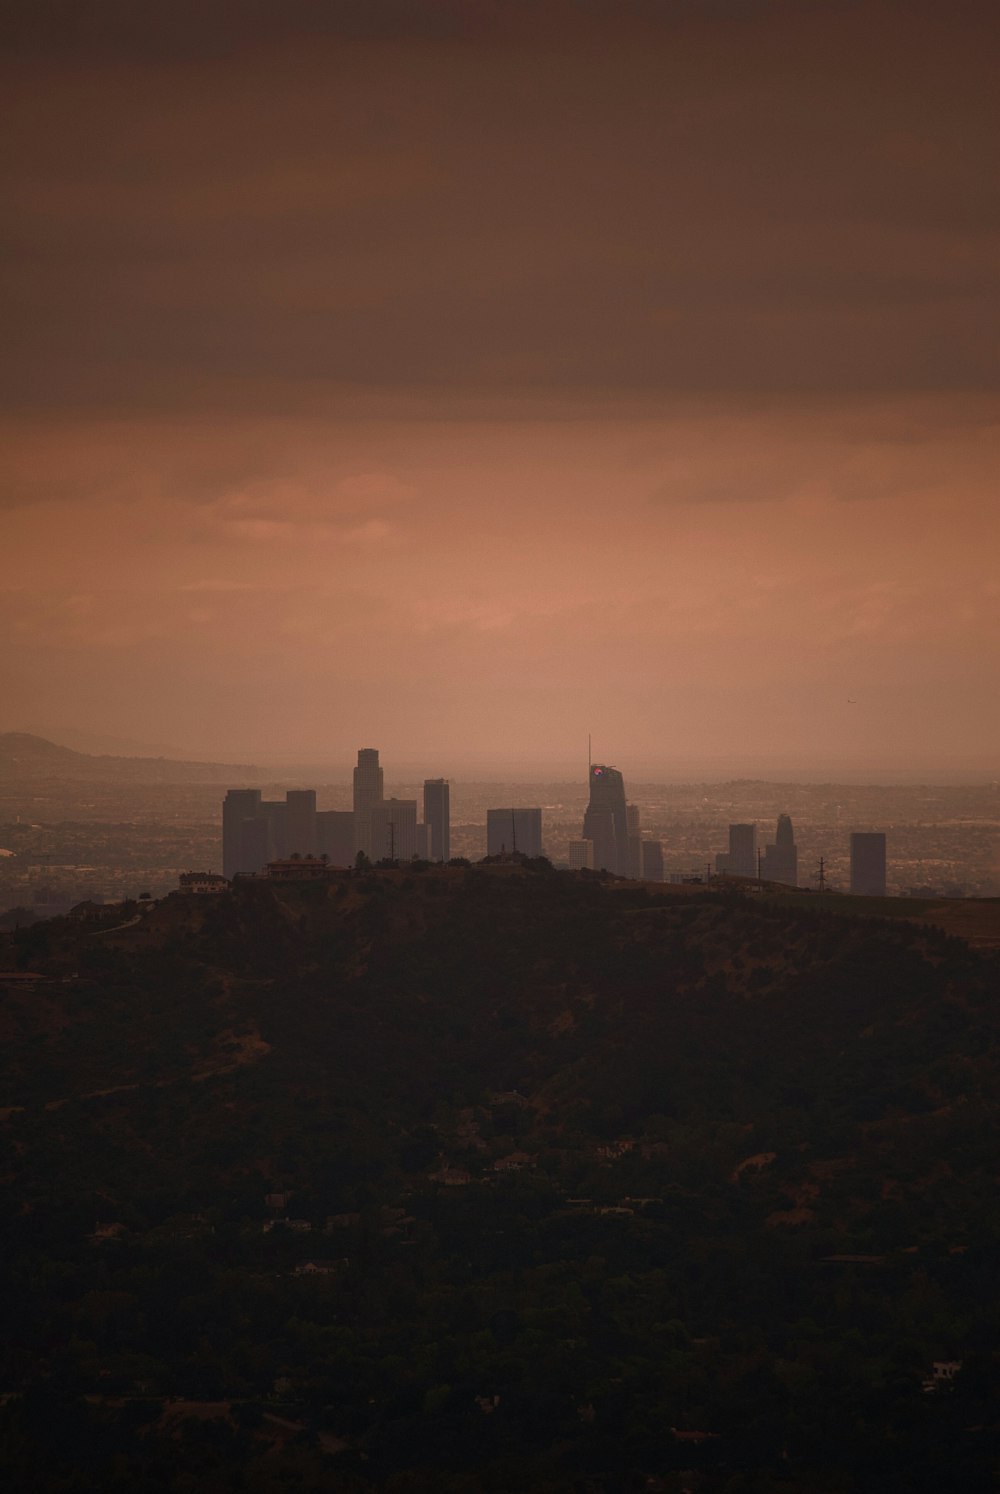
(335, 836)
(652, 861)
(509, 830)
(581, 854)
(237, 806)
(300, 822)
(393, 830)
(780, 862)
(437, 817)
(868, 863)
(741, 860)
(606, 820)
(369, 787)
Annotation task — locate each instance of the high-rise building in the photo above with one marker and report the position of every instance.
(437, 817)
(780, 862)
(335, 836)
(393, 830)
(509, 830)
(256, 844)
(253, 831)
(606, 820)
(652, 861)
(300, 822)
(741, 860)
(369, 789)
(238, 806)
(581, 855)
(423, 841)
(868, 863)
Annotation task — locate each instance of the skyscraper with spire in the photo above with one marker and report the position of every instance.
(606, 820)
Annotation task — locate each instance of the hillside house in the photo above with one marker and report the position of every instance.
(200, 883)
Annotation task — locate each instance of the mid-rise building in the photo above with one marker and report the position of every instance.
(437, 818)
(300, 822)
(741, 859)
(256, 831)
(510, 830)
(257, 844)
(335, 836)
(780, 862)
(238, 806)
(393, 830)
(868, 863)
(606, 820)
(581, 855)
(652, 861)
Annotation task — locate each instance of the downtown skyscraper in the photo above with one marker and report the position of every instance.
(369, 790)
(606, 820)
(780, 862)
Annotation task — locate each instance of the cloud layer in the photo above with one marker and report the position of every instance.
(462, 375)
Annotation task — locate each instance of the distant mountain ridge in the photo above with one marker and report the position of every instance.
(26, 756)
(107, 744)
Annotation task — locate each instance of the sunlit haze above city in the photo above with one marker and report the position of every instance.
(465, 378)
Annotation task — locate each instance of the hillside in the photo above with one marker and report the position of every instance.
(25, 758)
(588, 1170)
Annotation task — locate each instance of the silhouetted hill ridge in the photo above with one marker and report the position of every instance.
(24, 756)
(627, 1160)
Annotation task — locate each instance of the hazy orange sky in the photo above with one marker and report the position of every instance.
(461, 377)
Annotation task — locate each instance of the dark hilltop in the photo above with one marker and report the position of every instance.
(491, 1179)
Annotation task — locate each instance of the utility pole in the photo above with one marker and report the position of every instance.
(822, 875)
(392, 841)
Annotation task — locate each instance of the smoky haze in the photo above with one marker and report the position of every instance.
(467, 378)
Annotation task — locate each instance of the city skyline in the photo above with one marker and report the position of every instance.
(260, 834)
